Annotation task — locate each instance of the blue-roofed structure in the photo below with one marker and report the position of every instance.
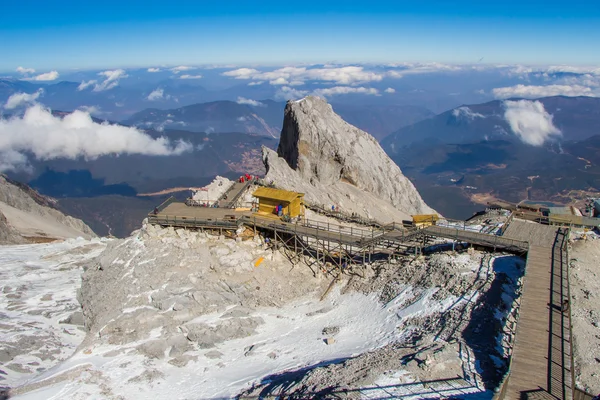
(597, 207)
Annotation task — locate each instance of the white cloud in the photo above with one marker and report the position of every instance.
(14, 161)
(21, 99)
(288, 93)
(181, 68)
(156, 94)
(390, 90)
(553, 69)
(190, 76)
(534, 92)
(111, 80)
(530, 121)
(76, 135)
(241, 119)
(404, 69)
(466, 113)
(337, 90)
(84, 85)
(92, 110)
(293, 76)
(242, 73)
(48, 76)
(255, 83)
(154, 70)
(24, 71)
(279, 81)
(242, 100)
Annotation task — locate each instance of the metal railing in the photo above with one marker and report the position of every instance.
(507, 223)
(163, 205)
(344, 216)
(194, 222)
(345, 230)
(478, 238)
(234, 201)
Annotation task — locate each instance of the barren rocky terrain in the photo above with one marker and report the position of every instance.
(25, 216)
(180, 312)
(585, 311)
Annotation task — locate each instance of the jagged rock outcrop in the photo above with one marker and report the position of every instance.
(27, 214)
(134, 287)
(335, 163)
(8, 234)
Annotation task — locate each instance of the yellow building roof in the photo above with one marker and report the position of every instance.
(276, 194)
(425, 217)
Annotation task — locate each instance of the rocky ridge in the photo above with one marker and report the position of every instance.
(335, 163)
(25, 214)
(199, 274)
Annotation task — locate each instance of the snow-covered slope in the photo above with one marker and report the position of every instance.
(180, 314)
(335, 163)
(28, 215)
(40, 317)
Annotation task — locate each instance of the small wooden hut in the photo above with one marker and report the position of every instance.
(269, 198)
(423, 220)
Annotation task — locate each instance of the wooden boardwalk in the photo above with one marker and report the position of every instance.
(541, 358)
(230, 198)
(541, 363)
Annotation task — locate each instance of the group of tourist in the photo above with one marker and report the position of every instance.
(247, 178)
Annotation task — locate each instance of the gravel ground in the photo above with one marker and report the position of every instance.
(585, 314)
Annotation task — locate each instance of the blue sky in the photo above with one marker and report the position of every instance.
(80, 34)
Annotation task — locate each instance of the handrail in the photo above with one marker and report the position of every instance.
(233, 201)
(351, 230)
(193, 221)
(507, 223)
(568, 267)
(164, 204)
(503, 387)
(321, 209)
(493, 240)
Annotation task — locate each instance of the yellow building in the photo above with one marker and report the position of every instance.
(423, 220)
(269, 198)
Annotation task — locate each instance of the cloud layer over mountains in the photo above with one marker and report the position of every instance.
(111, 80)
(530, 121)
(45, 136)
(20, 99)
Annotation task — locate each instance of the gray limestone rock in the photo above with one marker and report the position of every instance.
(335, 163)
(8, 235)
(23, 198)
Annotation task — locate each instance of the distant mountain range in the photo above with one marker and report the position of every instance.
(115, 104)
(172, 104)
(457, 158)
(470, 155)
(381, 120)
(577, 117)
(262, 118)
(212, 155)
(103, 192)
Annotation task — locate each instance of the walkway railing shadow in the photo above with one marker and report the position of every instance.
(446, 388)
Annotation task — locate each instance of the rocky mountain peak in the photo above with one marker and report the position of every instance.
(25, 215)
(329, 156)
